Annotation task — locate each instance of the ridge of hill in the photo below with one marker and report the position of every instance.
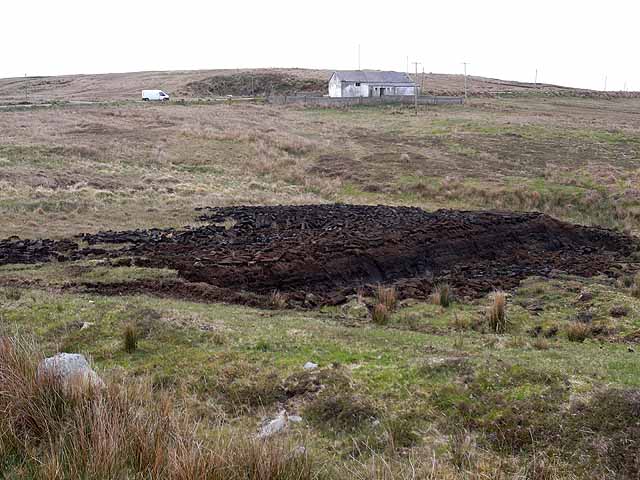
(190, 84)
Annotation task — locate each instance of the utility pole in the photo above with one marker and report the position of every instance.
(465, 79)
(407, 64)
(422, 84)
(536, 80)
(26, 89)
(415, 87)
(605, 83)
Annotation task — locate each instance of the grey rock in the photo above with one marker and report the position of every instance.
(69, 367)
(274, 426)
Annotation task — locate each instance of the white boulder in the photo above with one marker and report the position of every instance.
(70, 368)
(310, 366)
(276, 425)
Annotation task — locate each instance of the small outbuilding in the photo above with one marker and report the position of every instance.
(370, 83)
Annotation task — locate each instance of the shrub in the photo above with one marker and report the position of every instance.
(130, 338)
(578, 332)
(387, 296)
(442, 295)
(497, 313)
(380, 314)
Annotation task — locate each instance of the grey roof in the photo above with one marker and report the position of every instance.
(373, 76)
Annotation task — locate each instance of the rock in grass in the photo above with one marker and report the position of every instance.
(274, 426)
(69, 368)
(585, 296)
(310, 366)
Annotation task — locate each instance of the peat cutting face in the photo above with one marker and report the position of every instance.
(319, 254)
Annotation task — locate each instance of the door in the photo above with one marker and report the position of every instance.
(382, 91)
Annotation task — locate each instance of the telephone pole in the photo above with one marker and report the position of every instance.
(605, 83)
(536, 80)
(415, 87)
(26, 89)
(465, 79)
(359, 57)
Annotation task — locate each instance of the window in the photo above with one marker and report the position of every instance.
(357, 84)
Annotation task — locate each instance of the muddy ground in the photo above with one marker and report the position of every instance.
(320, 254)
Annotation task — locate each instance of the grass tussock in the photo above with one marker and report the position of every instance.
(130, 338)
(442, 295)
(497, 313)
(578, 332)
(278, 300)
(541, 344)
(387, 296)
(380, 314)
(130, 432)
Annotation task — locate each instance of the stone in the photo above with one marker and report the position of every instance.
(295, 418)
(274, 426)
(67, 367)
(585, 296)
(310, 366)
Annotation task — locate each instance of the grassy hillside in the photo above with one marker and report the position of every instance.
(545, 385)
(205, 83)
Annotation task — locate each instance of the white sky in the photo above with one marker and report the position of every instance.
(571, 42)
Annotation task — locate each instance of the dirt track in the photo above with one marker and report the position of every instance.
(319, 254)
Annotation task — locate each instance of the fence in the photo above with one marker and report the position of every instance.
(349, 101)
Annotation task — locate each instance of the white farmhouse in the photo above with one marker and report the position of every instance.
(370, 83)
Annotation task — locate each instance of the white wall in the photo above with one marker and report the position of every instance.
(349, 89)
(335, 87)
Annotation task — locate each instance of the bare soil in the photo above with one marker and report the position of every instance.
(320, 254)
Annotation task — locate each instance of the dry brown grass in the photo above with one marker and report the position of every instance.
(278, 299)
(497, 313)
(123, 431)
(380, 314)
(387, 296)
(442, 295)
(578, 332)
(68, 170)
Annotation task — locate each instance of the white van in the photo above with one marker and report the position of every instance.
(154, 95)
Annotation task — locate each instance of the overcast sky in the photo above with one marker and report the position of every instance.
(570, 42)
